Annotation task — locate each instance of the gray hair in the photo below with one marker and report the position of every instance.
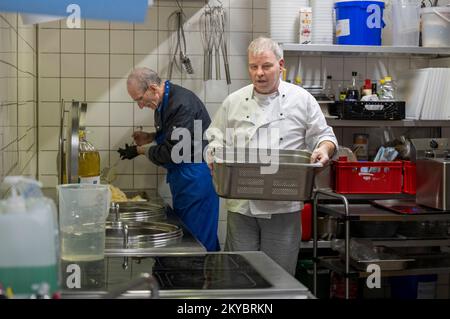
(144, 77)
(261, 44)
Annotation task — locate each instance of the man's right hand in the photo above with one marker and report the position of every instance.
(142, 138)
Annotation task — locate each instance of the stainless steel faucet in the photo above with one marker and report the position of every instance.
(144, 278)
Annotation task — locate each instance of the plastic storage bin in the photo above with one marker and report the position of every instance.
(359, 22)
(368, 177)
(409, 177)
(436, 27)
(405, 22)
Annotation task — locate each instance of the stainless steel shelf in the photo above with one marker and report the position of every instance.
(337, 265)
(367, 212)
(405, 242)
(364, 50)
(403, 123)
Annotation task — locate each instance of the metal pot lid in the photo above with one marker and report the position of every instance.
(141, 234)
(137, 214)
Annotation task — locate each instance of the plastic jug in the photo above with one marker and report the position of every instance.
(28, 239)
(88, 161)
(83, 209)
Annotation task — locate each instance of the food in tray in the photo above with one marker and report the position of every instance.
(119, 196)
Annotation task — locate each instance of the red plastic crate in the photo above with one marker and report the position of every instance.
(361, 177)
(409, 177)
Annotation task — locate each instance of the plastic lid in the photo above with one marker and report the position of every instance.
(387, 78)
(354, 73)
(382, 81)
(329, 77)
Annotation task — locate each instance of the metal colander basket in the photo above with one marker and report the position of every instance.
(241, 177)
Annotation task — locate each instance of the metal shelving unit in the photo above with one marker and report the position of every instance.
(366, 212)
(334, 49)
(403, 123)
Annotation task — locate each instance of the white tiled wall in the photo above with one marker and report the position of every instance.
(18, 131)
(92, 63)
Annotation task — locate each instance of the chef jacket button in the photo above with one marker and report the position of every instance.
(281, 114)
(281, 138)
(174, 127)
(246, 98)
(284, 95)
(248, 116)
(157, 127)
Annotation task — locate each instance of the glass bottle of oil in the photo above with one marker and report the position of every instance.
(88, 162)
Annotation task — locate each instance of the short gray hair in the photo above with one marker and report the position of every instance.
(261, 44)
(144, 77)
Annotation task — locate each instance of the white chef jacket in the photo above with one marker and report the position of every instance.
(296, 115)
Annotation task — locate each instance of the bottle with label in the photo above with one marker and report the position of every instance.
(352, 91)
(329, 91)
(367, 88)
(88, 162)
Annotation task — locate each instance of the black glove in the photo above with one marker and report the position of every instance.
(129, 152)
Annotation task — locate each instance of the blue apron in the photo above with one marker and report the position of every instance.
(194, 198)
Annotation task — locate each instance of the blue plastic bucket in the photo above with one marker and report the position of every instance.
(359, 22)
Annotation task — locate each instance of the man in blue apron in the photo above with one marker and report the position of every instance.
(176, 108)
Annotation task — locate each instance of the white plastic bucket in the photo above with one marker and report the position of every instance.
(405, 22)
(436, 27)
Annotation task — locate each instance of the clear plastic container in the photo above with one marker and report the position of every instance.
(388, 90)
(405, 22)
(436, 27)
(83, 209)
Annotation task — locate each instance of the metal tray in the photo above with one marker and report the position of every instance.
(141, 234)
(139, 211)
(240, 178)
(388, 260)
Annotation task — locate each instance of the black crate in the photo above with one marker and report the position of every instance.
(369, 110)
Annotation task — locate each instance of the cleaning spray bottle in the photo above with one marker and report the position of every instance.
(28, 240)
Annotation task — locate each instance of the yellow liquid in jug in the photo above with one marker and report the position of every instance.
(88, 164)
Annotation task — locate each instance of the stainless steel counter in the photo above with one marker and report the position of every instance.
(263, 278)
(188, 244)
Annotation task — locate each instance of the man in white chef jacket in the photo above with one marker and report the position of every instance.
(269, 107)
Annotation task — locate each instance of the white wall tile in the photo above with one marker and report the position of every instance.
(72, 41)
(119, 136)
(145, 181)
(143, 117)
(121, 65)
(97, 114)
(50, 25)
(121, 114)
(163, 67)
(377, 68)
(97, 65)
(48, 138)
(193, 18)
(333, 66)
(124, 182)
(49, 65)
(396, 66)
(146, 42)
(196, 86)
(99, 137)
(121, 41)
(163, 16)
(194, 3)
(241, 3)
(48, 162)
(97, 90)
(262, 4)
(119, 91)
(197, 64)
(48, 180)
(72, 65)
(310, 69)
(97, 41)
(122, 166)
(354, 64)
(213, 108)
(49, 89)
(260, 20)
(418, 63)
(239, 42)
(49, 113)
(216, 91)
(238, 67)
(240, 20)
(238, 84)
(72, 89)
(194, 43)
(142, 165)
(49, 40)
(165, 40)
(149, 61)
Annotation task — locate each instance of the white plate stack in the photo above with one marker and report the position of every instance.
(284, 19)
(322, 21)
